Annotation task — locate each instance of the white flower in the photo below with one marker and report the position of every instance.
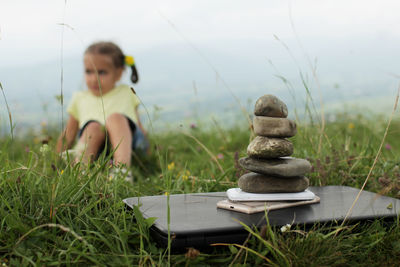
(44, 148)
(285, 228)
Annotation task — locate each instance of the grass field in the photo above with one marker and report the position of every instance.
(53, 214)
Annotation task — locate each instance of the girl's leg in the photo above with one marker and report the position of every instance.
(91, 140)
(120, 135)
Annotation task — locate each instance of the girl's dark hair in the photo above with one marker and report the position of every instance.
(116, 54)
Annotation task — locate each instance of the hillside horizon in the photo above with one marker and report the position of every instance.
(180, 81)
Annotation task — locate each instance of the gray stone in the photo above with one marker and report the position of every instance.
(283, 167)
(269, 148)
(259, 183)
(274, 127)
(271, 106)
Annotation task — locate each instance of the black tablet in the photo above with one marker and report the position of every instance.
(197, 222)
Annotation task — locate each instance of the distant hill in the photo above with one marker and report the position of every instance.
(184, 83)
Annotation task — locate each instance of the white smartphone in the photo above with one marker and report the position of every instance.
(250, 207)
(236, 194)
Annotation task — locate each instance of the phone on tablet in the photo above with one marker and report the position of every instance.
(251, 207)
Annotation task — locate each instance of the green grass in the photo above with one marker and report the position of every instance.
(53, 214)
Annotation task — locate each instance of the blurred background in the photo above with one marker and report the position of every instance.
(203, 60)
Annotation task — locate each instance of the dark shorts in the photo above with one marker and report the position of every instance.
(139, 141)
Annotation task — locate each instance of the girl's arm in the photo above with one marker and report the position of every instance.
(67, 137)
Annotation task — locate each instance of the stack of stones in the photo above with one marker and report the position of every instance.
(271, 168)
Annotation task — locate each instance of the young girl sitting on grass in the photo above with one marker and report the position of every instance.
(105, 112)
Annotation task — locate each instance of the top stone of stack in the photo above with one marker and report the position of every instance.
(270, 106)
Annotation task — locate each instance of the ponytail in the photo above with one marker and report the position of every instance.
(130, 61)
(134, 75)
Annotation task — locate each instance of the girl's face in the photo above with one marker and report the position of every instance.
(107, 74)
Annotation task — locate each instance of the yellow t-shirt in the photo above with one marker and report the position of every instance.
(85, 106)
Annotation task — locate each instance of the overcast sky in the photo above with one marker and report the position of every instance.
(355, 42)
(30, 31)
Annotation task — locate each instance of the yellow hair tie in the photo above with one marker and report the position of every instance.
(129, 60)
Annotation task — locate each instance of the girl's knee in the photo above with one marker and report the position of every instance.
(94, 125)
(116, 121)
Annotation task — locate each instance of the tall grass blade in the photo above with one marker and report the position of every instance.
(9, 112)
(376, 157)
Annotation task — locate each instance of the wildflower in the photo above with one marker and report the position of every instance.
(43, 123)
(120, 172)
(61, 172)
(44, 149)
(285, 228)
(27, 149)
(193, 126)
(220, 156)
(185, 175)
(171, 166)
(166, 193)
(388, 147)
(350, 126)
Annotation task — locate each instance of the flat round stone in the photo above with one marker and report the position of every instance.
(271, 106)
(269, 148)
(283, 167)
(259, 183)
(274, 127)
